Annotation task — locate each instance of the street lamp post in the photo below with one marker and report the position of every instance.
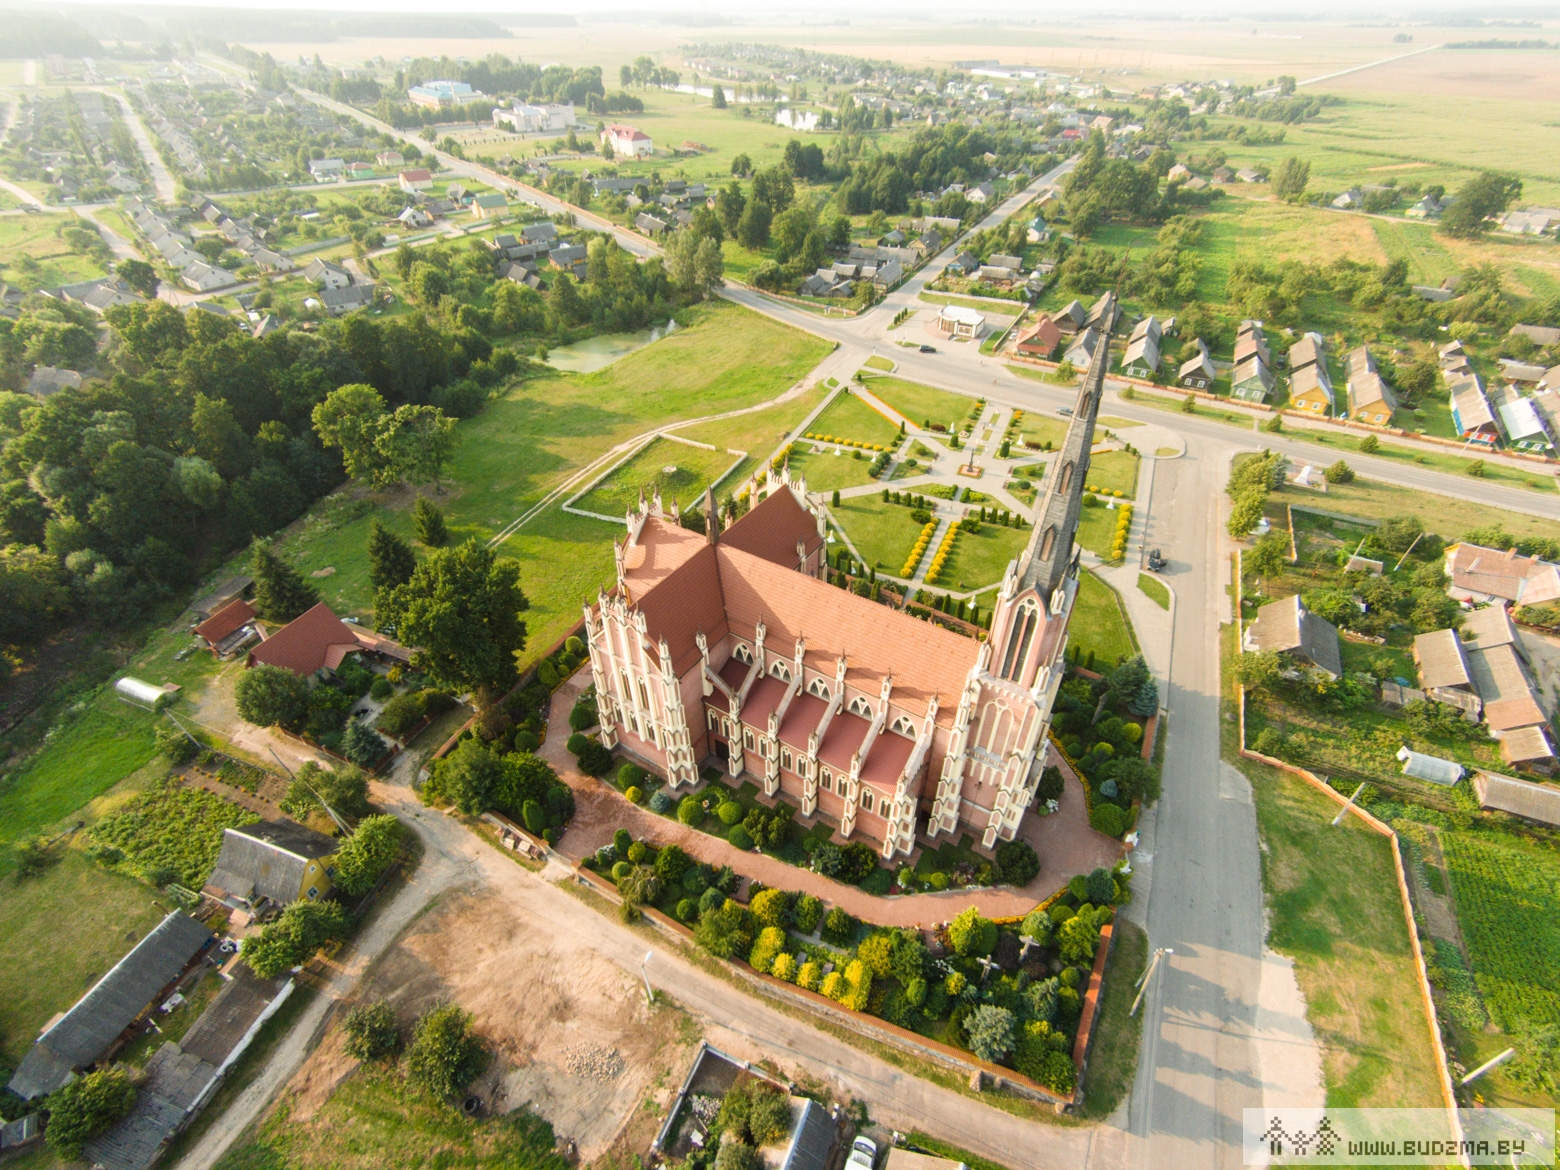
(1142, 984)
(644, 963)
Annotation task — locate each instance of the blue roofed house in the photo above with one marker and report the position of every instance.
(1472, 414)
(1523, 426)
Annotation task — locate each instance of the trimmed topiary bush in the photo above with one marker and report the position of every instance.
(620, 870)
(730, 812)
(687, 910)
(660, 802)
(938, 881)
(806, 913)
(526, 741)
(740, 838)
(1108, 819)
(633, 794)
(637, 852)
(1017, 863)
(690, 811)
(576, 743)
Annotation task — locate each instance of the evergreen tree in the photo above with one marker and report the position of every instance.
(390, 558)
(428, 520)
(281, 593)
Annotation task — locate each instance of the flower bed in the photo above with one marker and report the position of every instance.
(1011, 995)
(919, 550)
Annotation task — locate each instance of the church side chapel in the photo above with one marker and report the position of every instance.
(730, 647)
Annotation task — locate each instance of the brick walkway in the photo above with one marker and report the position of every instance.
(1064, 841)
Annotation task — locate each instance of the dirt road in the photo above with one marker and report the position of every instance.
(454, 858)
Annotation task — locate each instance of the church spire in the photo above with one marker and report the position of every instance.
(1050, 550)
(711, 516)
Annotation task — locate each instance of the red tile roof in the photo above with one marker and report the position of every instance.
(662, 548)
(772, 529)
(886, 761)
(233, 616)
(314, 640)
(846, 733)
(762, 699)
(685, 602)
(801, 717)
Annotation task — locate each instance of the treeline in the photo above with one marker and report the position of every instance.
(933, 158)
(197, 438)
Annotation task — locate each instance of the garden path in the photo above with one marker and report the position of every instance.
(1064, 841)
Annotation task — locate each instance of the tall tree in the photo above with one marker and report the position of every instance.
(351, 418)
(1482, 197)
(428, 523)
(390, 558)
(1291, 177)
(462, 610)
(281, 593)
(718, 98)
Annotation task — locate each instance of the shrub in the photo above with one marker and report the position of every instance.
(576, 743)
(363, 857)
(989, 1030)
(526, 741)
(784, 967)
(445, 1055)
(630, 776)
(637, 852)
(687, 910)
(1017, 863)
(725, 930)
(402, 713)
(361, 744)
(839, 927)
(1339, 472)
(938, 881)
(739, 837)
(711, 899)
(633, 794)
(972, 935)
(380, 689)
(371, 1031)
(1076, 939)
(595, 760)
(660, 802)
(730, 812)
(295, 937)
(737, 1155)
(806, 913)
(621, 840)
(582, 716)
(1107, 819)
(1370, 444)
(1101, 887)
(690, 811)
(547, 675)
(808, 975)
(621, 870)
(769, 907)
(770, 942)
(693, 878)
(85, 1108)
(1052, 784)
(671, 862)
(833, 985)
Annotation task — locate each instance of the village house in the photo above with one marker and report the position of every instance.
(1197, 372)
(1522, 425)
(1070, 318)
(230, 628)
(1040, 339)
(324, 274)
(1481, 575)
(317, 642)
(1251, 381)
(1141, 359)
(732, 650)
(416, 179)
(272, 863)
(489, 206)
(627, 142)
(1292, 631)
(1370, 399)
(1472, 414)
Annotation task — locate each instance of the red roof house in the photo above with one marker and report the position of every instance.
(319, 640)
(229, 628)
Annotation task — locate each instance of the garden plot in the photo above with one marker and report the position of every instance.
(570, 1034)
(849, 419)
(680, 471)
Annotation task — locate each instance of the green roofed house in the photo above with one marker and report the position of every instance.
(489, 206)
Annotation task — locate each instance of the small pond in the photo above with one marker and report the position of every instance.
(597, 353)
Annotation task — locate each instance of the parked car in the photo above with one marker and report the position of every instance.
(1064, 411)
(928, 349)
(1155, 561)
(863, 1154)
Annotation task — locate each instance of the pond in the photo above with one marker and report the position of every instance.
(596, 353)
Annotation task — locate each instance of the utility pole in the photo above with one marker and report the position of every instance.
(643, 965)
(1348, 804)
(1142, 984)
(1493, 1062)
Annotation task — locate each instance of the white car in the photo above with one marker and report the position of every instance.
(863, 1153)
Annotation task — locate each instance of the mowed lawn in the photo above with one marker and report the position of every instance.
(542, 431)
(32, 256)
(1349, 944)
(921, 404)
(882, 533)
(680, 471)
(1115, 471)
(848, 417)
(980, 558)
(827, 469)
(1098, 624)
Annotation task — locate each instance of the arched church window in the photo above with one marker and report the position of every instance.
(1020, 636)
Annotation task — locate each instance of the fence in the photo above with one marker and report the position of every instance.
(1427, 998)
(964, 1063)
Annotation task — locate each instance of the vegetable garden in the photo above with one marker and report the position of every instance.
(168, 833)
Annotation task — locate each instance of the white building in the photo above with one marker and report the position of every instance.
(528, 119)
(627, 142)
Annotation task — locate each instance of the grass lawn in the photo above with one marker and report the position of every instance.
(1097, 530)
(1115, 471)
(1099, 625)
(882, 533)
(692, 469)
(1117, 424)
(540, 431)
(998, 309)
(848, 417)
(980, 558)
(1349, 944)
(1035, 374)
(372, 1119)
(1113, 1052)
(762, 432)
(44, 968)
(32, 256)
(879, 363)
(921, 404)
(827, 471)
(1040, 429)
(1454, 464)
(1156, 589)
(1375, 500)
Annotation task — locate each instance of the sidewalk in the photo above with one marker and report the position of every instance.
(1065, 843)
